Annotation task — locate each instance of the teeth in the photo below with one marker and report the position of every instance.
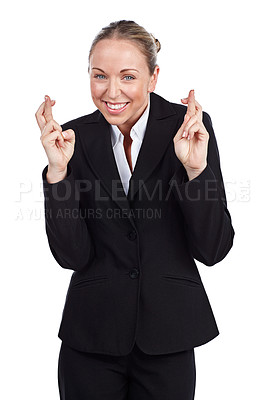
(116, 106)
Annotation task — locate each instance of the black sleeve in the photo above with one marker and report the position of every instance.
(203, 203)
(68, 236)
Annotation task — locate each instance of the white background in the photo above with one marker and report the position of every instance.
(218, 49)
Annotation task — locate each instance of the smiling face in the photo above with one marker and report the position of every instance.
(120, 82)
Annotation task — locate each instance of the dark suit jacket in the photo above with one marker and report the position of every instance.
(135, 278)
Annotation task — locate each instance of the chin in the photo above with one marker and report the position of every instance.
(113, 120)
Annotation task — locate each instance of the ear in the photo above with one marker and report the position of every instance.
(153, 79)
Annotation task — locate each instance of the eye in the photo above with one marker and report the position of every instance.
(130, 77)
(99, 76)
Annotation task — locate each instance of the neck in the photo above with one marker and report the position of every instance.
(126, 128)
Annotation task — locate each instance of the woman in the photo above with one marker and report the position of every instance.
(133, 195)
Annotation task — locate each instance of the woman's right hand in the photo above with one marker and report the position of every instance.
(58, 145)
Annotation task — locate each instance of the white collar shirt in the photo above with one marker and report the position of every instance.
(137, 133)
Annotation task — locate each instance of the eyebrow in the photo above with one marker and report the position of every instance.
(122, 70)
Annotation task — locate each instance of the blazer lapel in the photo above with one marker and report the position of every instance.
(161, 126)
(99, 153)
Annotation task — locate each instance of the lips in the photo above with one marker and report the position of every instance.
(115, 108)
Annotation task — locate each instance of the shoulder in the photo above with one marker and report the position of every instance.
(84, 119)
(177, 108)
(162, 107)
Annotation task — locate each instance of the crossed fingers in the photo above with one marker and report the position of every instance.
(193, 117)
(48, 109)
(193, 107)
(44, 113)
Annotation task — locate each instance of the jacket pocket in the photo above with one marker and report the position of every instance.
(182, 280)
(93, 280)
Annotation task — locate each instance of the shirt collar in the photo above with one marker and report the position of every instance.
(139, 128)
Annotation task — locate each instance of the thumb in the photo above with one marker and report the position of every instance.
(69, 135)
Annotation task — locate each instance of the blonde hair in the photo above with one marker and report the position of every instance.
(130, 30)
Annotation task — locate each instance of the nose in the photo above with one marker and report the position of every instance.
(113, 89)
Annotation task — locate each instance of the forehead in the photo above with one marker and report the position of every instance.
(117, 52)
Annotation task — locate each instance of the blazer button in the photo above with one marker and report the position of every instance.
(132, 235)
(134, 273)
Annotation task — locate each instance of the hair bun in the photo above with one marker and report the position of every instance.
(157, 43)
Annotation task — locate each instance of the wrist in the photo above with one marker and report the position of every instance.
(54, 175)
(192, 173)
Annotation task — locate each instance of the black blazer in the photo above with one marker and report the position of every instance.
(135, 278)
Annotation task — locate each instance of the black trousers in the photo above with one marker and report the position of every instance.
(136, 376)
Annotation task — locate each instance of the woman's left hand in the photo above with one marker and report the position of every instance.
(191, 140)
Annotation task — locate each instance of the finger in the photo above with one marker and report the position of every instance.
(198, 110)
(180, 131)
(39, 115)
(188, 124)
(41, 109)
(48, 109)
(69, 135)
(51, 126)
(185, 99)
(52, 137)
(198, 107)
(186, 118)
(192, 130)
(59, 139)
(198, 129)
(191, 106)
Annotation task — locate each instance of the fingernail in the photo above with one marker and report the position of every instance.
(184, 134)
(64, 136)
